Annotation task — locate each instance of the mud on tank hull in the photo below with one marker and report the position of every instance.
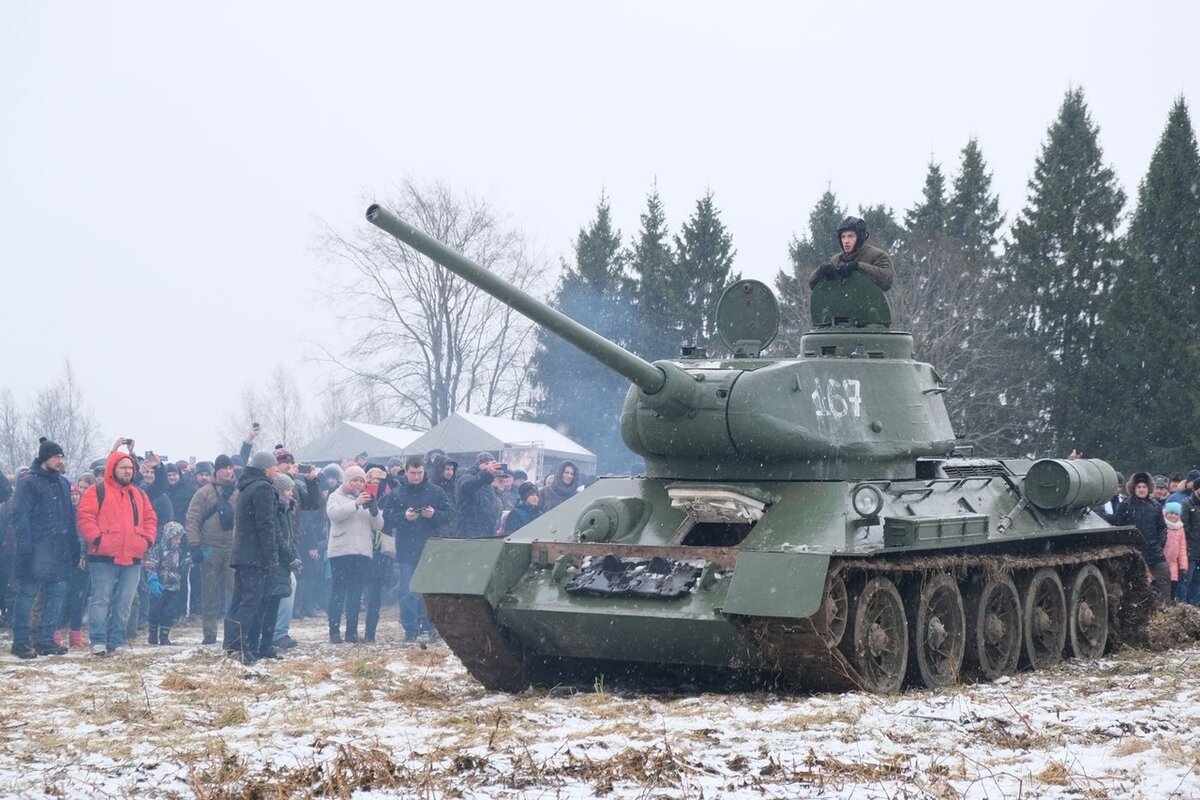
(950, 579)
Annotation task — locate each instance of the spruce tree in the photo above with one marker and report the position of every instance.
(926, 221)
(704, 253)
(579, 396)
(1155, 311)
(1060, 274)
(979, 366)
(973, 215)
(883, 230)
(660, 291)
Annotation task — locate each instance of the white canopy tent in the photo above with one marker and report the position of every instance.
(348, 439)
(536, 448)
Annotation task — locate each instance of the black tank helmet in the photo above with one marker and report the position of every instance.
(856, 224)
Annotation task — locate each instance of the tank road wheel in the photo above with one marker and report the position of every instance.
(836, 606)
(938, 631)
(1087, 613)
(994, 625)
(879, 637)
(1044, 619)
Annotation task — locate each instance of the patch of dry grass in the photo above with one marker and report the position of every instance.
(1055, 773)
(1130, 747)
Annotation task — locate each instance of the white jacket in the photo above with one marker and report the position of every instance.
(351, 527)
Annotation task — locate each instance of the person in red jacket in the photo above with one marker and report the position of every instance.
(117, 524)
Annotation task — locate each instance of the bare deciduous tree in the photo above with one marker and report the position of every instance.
(57, 412)
(946, 304)
(434, 343)
(279, 406)
(15, 447)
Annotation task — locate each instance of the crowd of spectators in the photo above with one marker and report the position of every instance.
(244, 543)
(1166, 511)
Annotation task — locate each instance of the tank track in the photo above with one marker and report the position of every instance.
(796, 653)
(468, 625)
(799, 655)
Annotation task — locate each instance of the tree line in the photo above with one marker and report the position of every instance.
(1041, 331)
(1039, 327)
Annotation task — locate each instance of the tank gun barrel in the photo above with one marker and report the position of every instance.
(648, 377)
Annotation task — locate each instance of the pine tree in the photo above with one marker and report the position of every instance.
(1155, 311)
(579, 396)
(660, 291)
(1060, 274)
(805, 255)
(704, 253)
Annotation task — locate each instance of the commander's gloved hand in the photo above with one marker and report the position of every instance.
(155, 585)
(847, 269)
(206, 554)
(824, 272)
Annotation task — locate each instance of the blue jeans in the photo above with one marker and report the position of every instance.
(51, 612)
(413, 616)
(113, 588)
(283, 619)
(1188, 589)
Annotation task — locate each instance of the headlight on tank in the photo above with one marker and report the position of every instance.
(867, 500)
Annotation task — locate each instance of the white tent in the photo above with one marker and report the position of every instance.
(531, 446)
(348, 439)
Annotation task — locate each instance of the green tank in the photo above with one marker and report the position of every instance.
(802, 521)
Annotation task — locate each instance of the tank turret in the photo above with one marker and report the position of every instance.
(855, 406)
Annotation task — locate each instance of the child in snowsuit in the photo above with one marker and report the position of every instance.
(1176, 547)
(167, 564)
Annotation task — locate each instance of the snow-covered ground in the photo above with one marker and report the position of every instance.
(390, 720)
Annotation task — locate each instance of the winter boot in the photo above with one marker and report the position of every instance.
(24, 650)
(335, 636)
(164, 635)
(153, 637)
(352, 637)
(49, 648)
(75, 640)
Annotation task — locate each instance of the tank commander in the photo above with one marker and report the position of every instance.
(856, 254)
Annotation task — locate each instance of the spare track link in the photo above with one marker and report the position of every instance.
(469, 627)
(798, 655)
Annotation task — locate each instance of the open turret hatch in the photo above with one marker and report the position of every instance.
(854, 302)
(747, 318)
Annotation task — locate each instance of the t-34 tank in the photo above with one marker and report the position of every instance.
(799, 521)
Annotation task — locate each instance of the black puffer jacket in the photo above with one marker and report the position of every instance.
(1146, 516)
(181, 497)
(44, 522)
(478, 505)
(256, 523)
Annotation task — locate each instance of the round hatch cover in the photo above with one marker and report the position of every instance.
(747, 317)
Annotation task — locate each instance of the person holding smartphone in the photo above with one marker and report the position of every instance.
(414, 511)
(353, 520)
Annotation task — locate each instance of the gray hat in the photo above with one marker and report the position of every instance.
(263, 459)
(284, 483)
(205, 467)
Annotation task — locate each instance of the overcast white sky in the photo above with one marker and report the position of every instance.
(164, 167)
